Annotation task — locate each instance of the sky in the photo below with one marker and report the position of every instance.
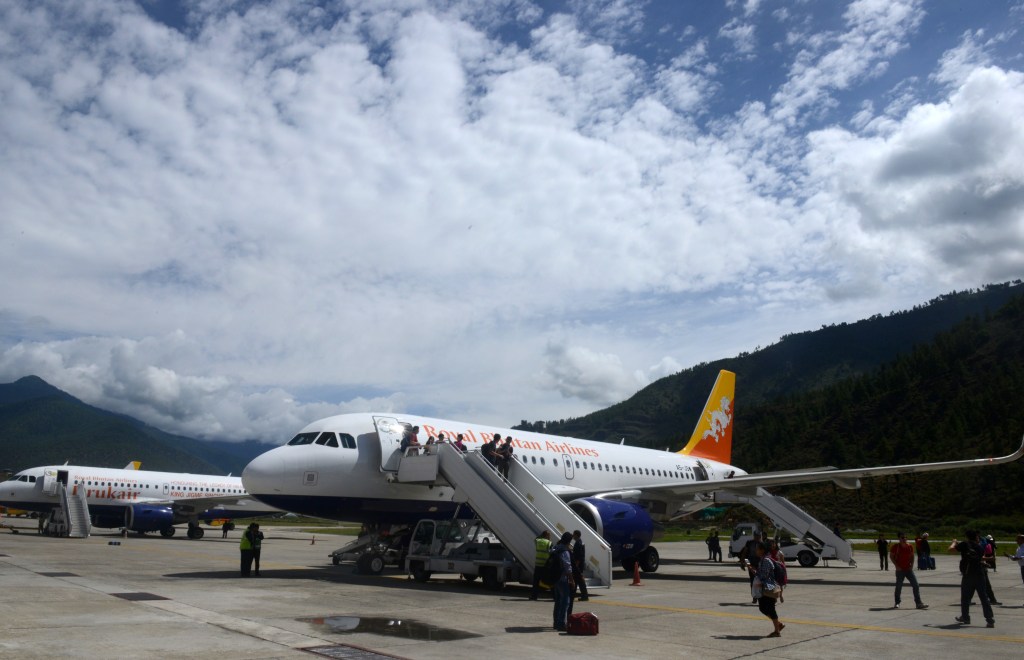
(230, 219)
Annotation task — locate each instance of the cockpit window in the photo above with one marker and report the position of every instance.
(303, 439)
(31, 479)
(347, 441)
(328, 439)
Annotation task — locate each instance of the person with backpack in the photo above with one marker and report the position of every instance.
(973, 578)
(902, 556)
(540, 559)
(764, 588)
(506, 454)
(560, 569)
(781, 574)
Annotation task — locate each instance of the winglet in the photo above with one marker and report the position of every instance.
(712, 438)
(134, 465)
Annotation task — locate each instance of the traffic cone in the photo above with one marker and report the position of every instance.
(636, 575)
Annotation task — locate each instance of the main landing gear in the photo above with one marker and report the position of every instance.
(649, 561)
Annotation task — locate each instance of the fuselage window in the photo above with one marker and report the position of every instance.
(554, 461)
(303, 439)
(347, 441)
(534, 459)
(592, 467)
(577, 464)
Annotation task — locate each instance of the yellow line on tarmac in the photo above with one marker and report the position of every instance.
(821, 624)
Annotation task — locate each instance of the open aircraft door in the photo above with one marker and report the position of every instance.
(50, 482)
(390, 432)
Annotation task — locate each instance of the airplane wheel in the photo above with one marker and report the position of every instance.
(628, 564)
(489, 574)
(370, 563)
(469, 578)
(336, 560)
(807, 558)
(418, 572)
(196, 532)
(650, 560)
(167, 532)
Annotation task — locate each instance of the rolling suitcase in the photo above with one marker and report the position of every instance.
(931, 563)
(583, 623)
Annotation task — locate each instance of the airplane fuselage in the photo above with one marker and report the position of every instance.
(109, 491)
(346, 477)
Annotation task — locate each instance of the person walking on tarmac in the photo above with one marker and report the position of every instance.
(973, 579)
(883, 552)
(579, 560)
(902, 555)
(540, 558)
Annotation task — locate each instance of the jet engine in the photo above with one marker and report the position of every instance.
(138, 518)
(626, 526)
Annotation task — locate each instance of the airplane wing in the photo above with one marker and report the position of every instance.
(226, 503)
(748, 484)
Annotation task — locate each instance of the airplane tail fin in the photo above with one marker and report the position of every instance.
(134, 465)
(712, 438)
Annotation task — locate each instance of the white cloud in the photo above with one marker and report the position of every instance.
(124, 376)
(404, 201)
(876, 30)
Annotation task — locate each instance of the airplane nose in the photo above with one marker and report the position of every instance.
(264, 474)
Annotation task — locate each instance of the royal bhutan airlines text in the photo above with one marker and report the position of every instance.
(557, 448)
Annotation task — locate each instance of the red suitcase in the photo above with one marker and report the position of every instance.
(583, 623)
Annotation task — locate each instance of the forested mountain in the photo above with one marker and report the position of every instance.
(42, 425)
(664, 413)
(940, 382)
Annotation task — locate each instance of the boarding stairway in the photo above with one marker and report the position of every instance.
(75, 508)
(788, 516)
(516, 510)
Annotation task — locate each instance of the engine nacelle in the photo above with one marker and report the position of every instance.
(138, 518)
(625, 525)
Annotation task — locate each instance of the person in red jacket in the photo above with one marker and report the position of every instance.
(902, 555)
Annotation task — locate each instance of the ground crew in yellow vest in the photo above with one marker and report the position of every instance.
(543, 545)
(245, 547)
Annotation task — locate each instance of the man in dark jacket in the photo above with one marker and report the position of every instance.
(565, 586)
(973, 579)
(579, 562)
(255, 538)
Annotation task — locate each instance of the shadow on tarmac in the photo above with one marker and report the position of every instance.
(528, 629)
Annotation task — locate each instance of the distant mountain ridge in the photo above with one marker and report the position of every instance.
(43, 425)
(664, 413)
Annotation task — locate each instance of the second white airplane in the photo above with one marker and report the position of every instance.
(342, 468)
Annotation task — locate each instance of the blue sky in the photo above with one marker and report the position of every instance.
(231, 218)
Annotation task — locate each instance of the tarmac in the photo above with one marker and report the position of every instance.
(177, 598)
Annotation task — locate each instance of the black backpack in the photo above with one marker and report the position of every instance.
(779, 573)
(553, 567)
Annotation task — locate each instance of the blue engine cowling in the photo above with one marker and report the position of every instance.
(626, 526)
(138, 518)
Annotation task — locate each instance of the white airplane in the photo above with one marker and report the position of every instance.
(139, 500)
(341, 467)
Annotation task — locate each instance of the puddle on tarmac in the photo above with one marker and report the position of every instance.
(390, 627)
